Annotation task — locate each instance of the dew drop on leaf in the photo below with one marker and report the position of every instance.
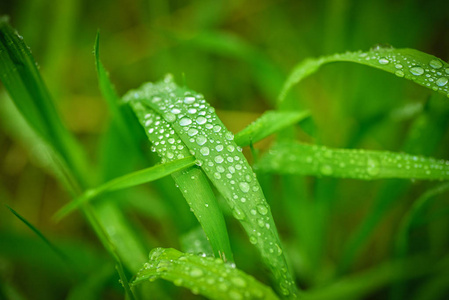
(436, 64)
(442, 81)
(417, 71)
(244, 187)
(185, 122)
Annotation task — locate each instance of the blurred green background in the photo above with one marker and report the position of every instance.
(238, 54)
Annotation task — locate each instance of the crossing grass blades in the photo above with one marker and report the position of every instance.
(206, 162)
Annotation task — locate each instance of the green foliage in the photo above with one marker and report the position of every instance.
(202, 275)
(346, 203)
(302, 159)
(179, 120)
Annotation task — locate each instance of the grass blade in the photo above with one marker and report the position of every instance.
(269, 123)
(202, 275)
(193, 183)
(39, 234)
(126, 181)
(422, 68)
(296, 158)
(361, 284)
(21, 78)
(401, 248)
(185, 118)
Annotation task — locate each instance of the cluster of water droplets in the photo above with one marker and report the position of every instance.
(202, 275)
(434, 73)
(183, 117)
(345, 163)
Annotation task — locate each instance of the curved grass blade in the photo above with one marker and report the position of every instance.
(408, 222)
(269, 123)
(302, 159)
(422, 68)
(192, 181)
(190, 121)
(126, 181)
(202, 275)
(359, 286)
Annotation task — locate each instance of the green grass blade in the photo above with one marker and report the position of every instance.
(360, 285)
(296, 158)
(192, 182)
(269, 123)
(185, 118)
(425, 134)
(21, 78)
(39, 234)
(108, 91)
(202, 275)
(401, 247)
(126, 181)
(422, 68)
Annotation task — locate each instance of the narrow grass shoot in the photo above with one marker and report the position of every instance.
(126, 181)
(267, 124)
(40, 235)
(207, 276)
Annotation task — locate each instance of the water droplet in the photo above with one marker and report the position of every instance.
(201, 140)
(417, 71)
(230, 148)
(238, 214)
(262, 209)
(398, 66)
(229, 136)
(217, 128)
(378, 47)
(326, 170)
(195, 272)
(189, 100)
(384, 61)
(219, 148)
(205, 151)
(175, 111)
(442, 81)
(192, 132)
(243, 200)
(238, 281)
(244, 187)
(436, 64)
(399, 73)
(185, 122)
(191, 110)
(253, 240)
(201, 120)
(218, 159)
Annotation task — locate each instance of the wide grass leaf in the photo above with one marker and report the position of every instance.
(422, 68)
(269, 123)
(207, 276)
(185, 118)
(126, 181)
(192, 181)
(303, 159)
